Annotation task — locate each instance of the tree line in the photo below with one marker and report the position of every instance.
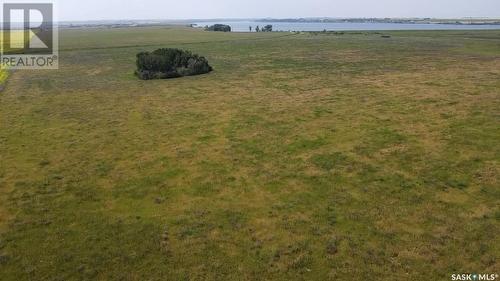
(227, 28)
(218, 27)
(267, 28)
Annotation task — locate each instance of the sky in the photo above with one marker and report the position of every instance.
(77, 10)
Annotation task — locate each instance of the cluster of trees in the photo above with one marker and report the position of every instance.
(218, 27)
(267, 28)
(170, 63)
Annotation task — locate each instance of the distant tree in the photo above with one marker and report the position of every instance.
(267, 28)
(219, 27)
(257, 29)
(170, 63)
(250, 28)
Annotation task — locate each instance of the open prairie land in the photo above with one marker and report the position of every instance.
(301, 157)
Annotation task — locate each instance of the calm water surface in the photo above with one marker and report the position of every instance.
(242, 26)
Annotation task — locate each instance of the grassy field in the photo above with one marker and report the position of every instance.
(4, 74)
(301, 157)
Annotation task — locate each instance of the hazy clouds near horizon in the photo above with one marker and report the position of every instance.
(197, 9)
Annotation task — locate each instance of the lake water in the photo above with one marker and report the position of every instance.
(242, 26)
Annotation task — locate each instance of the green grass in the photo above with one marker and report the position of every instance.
(3, 77)
(301, 157)
(4, 74)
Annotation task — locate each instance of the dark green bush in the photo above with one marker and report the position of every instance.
(170, 63)
(219, 27)
(267, 28)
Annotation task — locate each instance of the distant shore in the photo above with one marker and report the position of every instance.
(467, 21)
